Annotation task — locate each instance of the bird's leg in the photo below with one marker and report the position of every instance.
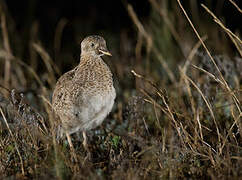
(73, 153)
(85, 145)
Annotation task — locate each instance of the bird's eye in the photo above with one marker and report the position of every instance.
(92, 45)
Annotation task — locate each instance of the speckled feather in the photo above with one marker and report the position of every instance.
(84, 96)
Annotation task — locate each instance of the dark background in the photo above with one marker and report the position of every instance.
(88, 17)
(110, 19)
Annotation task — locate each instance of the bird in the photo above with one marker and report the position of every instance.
(85, 95)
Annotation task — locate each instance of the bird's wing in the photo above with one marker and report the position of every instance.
(63, 89)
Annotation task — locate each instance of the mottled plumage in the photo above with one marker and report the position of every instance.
(84, 96)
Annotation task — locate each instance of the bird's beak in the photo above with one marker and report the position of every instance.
(105, 52)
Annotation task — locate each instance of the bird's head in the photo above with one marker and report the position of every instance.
(95, 45)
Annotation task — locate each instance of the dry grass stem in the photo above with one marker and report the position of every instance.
(33, 38)
(232, 36)
(183, 71)
(209, 74)
(166, 110)
(4, 54)
(48, 62)
(230, 130)
(238, 106)
(236, 6)
(191, 54)
(208, 105)
(200, 39)
(6, 46)
(148, 38)
(169, 24)
(58, 34)
(15, 142)
(199, 124)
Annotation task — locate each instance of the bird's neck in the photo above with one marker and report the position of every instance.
(91, 59)
(94, 67)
